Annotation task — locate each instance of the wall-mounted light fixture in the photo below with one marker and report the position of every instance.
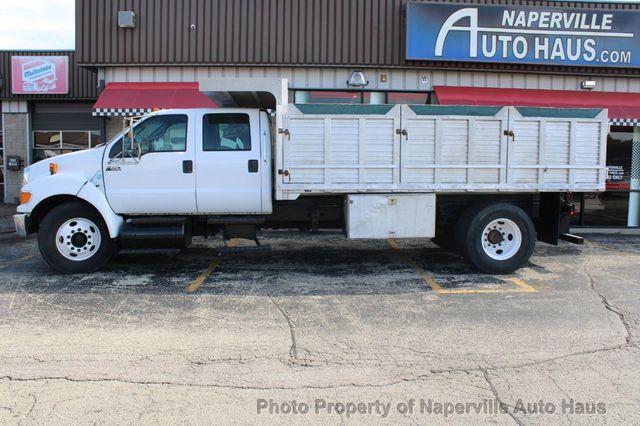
(588, 84)
(357, 79)
(126, 19)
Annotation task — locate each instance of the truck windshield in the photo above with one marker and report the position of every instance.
(162, 133)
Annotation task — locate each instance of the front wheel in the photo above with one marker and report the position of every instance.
(497, 238)
(74, 239)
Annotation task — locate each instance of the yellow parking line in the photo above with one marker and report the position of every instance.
(486, 290)
(524, 286)
(195, 285)
(428, 279)
(20, 259)
(431, 282)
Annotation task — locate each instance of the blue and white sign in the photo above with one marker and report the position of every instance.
(521, 34)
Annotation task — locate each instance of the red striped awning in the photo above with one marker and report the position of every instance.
(123, 99)
(624, 108)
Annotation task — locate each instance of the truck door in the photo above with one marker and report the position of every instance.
(229, 162)
(156, 176)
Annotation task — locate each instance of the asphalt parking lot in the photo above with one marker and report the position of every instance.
(352, 330)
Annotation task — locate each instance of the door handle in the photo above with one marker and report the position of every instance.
(253, 166)
(511, 134)
(403, 132)
(187, 166)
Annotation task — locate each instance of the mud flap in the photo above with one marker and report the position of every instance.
(548, 225)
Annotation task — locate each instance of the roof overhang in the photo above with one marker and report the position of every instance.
(624, 108)
(127, 99)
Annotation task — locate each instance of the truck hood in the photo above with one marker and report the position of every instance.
(86, 163)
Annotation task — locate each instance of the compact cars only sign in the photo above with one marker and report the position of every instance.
(39, 74)
(521, 34)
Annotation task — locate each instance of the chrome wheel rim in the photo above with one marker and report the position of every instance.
(78, 239)
(501, 239)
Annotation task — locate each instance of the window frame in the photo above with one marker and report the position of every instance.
(60, 149)
(204, 117)
(125, 134)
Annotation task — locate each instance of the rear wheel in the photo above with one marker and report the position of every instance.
(496, 238)
(74, 239)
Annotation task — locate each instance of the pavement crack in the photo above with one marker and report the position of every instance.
(33, 405)
(293, 351)
(611, 308)
(196, 385)
(485, 373)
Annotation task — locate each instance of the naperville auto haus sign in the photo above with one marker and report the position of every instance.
(520, 34)
(39, 74)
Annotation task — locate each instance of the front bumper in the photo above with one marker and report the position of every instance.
(22, 222)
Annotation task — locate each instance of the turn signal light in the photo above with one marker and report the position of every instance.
(25, 197)
(53, 168)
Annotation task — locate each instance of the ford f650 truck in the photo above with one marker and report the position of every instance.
(484, 181)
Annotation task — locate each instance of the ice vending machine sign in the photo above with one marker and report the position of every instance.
(39, 74)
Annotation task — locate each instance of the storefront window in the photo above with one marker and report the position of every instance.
(1, 167)
(75, 140)
(375, 98)
(619, 146)
(95, 138)
(47, 144)
(328, 97)
(610, 208)
(359, 97)
(407, 98)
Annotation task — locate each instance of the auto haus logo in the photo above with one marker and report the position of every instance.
(538, 35)
(39, 75)
(522, 34)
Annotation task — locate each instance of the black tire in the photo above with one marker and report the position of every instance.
(49, 227)
(470, 238)
(462, 227)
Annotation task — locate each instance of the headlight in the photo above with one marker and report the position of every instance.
(25, 176)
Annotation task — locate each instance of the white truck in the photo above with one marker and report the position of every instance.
(484, 181)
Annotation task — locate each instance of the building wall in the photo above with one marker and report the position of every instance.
(83, 82)
(15, 134)
(315, 33)
(397, 79)
(17, 114)
(113, 126)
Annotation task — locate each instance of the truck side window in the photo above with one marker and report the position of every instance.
(226, 132)
(162, 133)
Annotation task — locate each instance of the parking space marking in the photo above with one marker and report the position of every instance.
(428, 279)
(522, 287)
(195, 285)
(18, 260)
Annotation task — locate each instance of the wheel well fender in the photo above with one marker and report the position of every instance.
(97, 199)
(88, 194)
